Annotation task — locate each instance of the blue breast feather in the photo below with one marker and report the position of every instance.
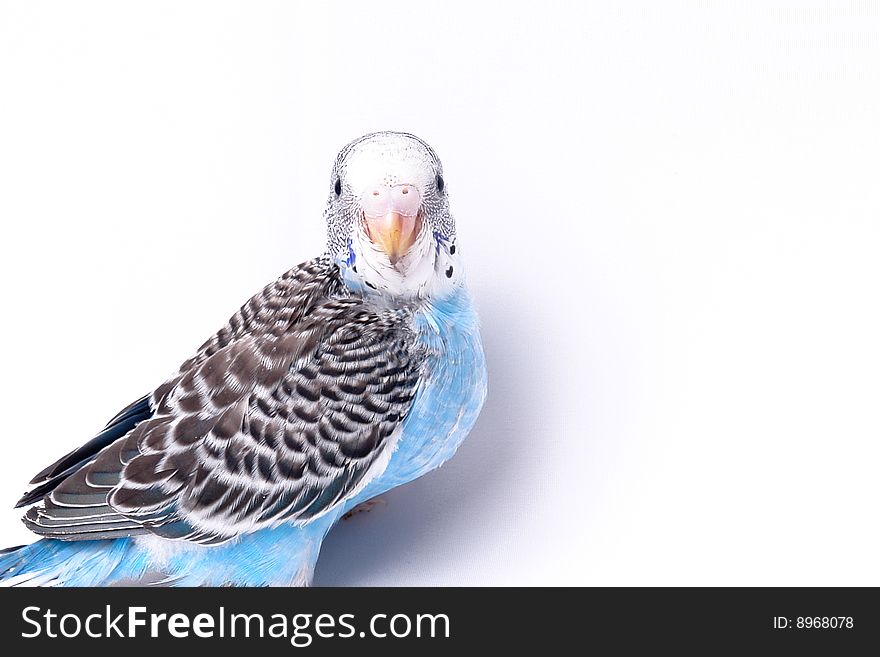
(448, 400)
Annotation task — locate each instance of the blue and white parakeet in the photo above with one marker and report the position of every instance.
(351, 374)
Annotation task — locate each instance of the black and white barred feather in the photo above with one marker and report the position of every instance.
(286, 412)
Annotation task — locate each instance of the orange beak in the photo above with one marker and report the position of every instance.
(394, 233)
(391, 218)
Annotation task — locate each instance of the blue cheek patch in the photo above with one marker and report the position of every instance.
(351, 258)
(438, 240)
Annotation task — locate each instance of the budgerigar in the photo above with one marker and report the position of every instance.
(351, 374)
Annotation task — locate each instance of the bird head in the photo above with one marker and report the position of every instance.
(389, 227)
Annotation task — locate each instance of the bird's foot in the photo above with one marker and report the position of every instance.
(364, 507)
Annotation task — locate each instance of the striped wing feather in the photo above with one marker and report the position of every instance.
(286, 412)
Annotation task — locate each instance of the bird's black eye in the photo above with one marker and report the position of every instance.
(337, 187)
(440, 183)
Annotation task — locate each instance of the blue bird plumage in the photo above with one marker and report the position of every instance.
(410, 382)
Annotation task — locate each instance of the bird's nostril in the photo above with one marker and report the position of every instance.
(378, 200)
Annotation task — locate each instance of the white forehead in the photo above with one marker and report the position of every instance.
(390, 159)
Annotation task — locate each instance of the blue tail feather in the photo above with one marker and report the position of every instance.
(51, 562)
(282, 556)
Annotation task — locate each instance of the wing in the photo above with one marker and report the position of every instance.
(280, 304)
(278, 422)
(49, 478)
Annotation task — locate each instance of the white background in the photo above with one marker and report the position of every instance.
(671, 223)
